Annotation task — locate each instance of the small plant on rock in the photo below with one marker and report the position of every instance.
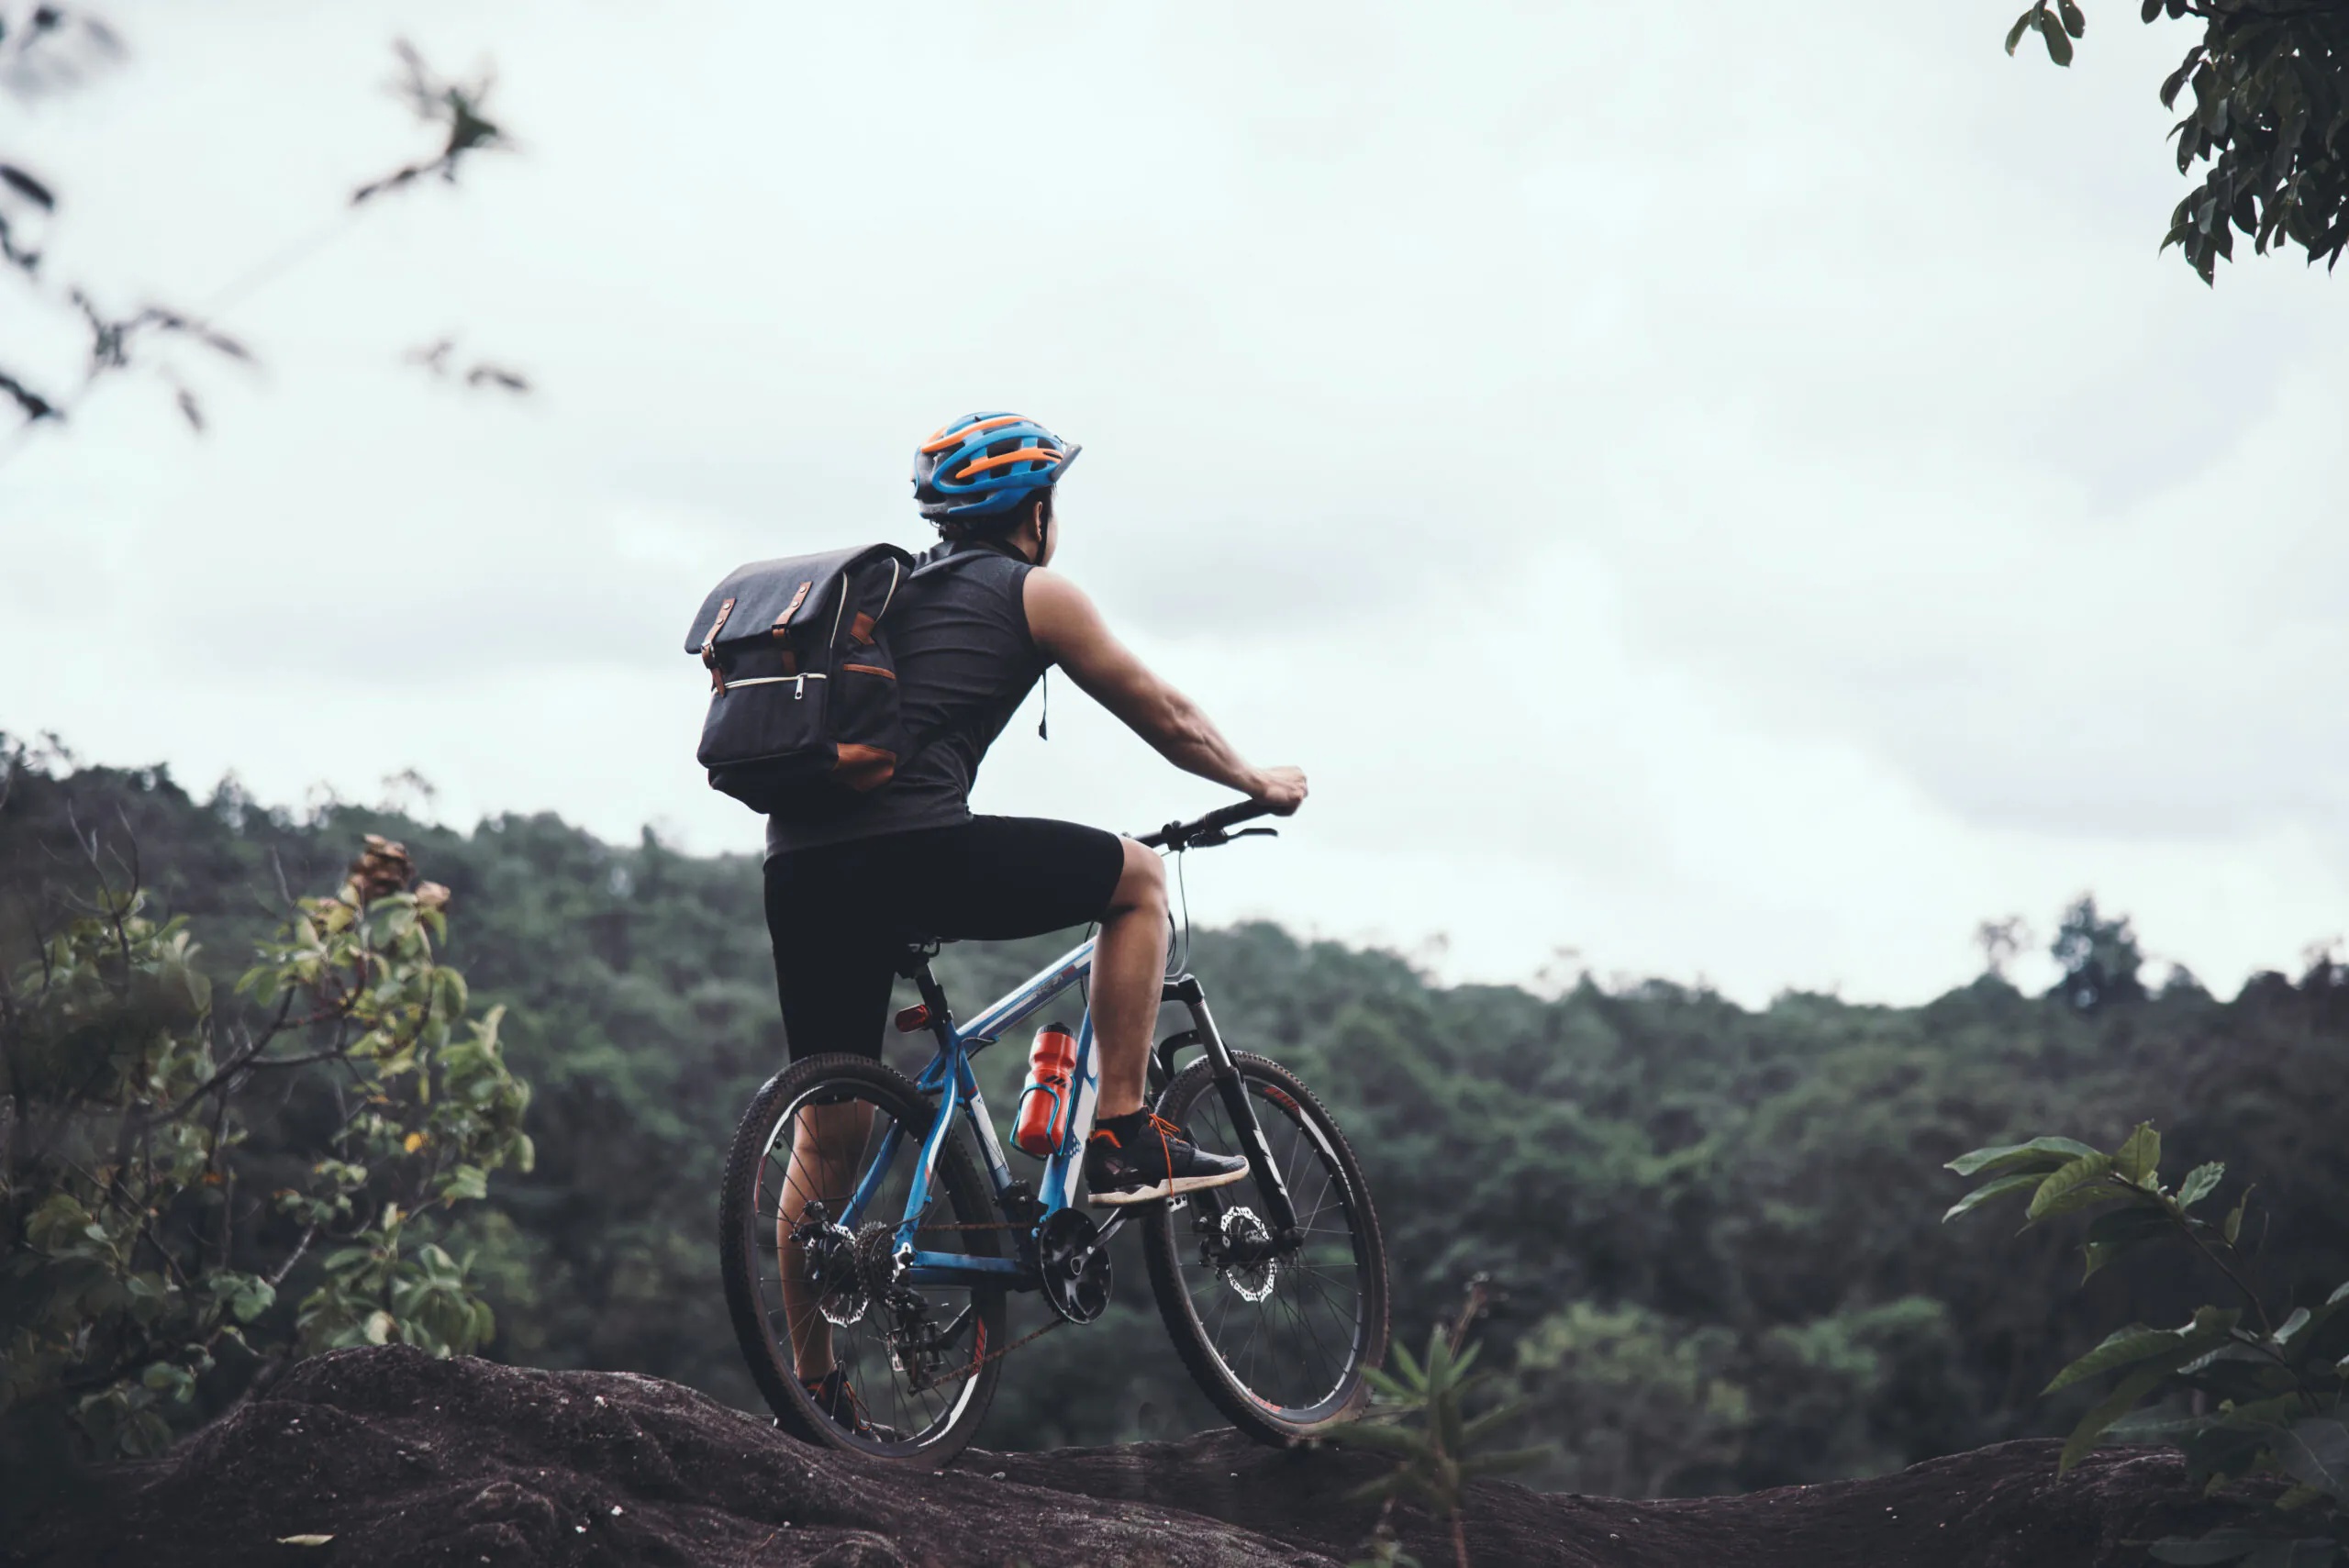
(2249, 1391)
(1419, 1417)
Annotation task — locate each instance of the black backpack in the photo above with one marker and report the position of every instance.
(803, 705)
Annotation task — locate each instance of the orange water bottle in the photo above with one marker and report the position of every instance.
(1050, 1093)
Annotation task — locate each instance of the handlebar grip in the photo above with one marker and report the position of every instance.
(1176, 834)
(1230, 815)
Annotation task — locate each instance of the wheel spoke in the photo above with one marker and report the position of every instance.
(828, 1297)
(1290, 1328)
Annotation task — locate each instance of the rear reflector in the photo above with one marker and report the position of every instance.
(913, 1018)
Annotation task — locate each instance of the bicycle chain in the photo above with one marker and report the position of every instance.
(971, 1369)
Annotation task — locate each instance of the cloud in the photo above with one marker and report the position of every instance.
(1732, 497)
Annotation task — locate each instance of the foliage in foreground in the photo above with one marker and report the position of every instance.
(1420, 1419)
(146, 1248)
(2270, 117)
(1714, 1223)
(2259, 1398)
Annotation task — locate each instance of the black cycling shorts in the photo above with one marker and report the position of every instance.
(841, 913)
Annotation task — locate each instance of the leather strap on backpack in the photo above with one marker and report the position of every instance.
(710, 648)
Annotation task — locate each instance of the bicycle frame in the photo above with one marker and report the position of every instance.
(948, 1077)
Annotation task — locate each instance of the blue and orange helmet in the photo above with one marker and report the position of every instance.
(984, 465)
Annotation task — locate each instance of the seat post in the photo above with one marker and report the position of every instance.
(914, 966)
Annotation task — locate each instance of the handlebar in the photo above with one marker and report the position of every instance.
(1209, 831)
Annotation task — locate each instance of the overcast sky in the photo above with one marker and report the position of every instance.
(1718, 491)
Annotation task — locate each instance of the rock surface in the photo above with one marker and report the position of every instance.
(405, 1460)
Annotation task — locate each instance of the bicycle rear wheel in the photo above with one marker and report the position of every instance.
(1277, 1340)
(810, 1279)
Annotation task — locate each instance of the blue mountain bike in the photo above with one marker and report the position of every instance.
(857, 1232)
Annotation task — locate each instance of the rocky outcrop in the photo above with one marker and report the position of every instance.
(387, 1457)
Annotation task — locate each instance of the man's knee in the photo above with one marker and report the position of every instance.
(1141, 884)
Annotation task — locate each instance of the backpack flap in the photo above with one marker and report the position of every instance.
(770, 599)
(778, 637)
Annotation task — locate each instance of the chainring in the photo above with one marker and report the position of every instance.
(1074, 1265)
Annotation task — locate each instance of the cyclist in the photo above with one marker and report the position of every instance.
(848, 885)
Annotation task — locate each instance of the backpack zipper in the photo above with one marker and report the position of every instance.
(800, 680)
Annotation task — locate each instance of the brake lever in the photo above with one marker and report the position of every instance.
(1214, 836)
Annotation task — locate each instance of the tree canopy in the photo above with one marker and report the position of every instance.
(2269, 119)
(1712, 1230)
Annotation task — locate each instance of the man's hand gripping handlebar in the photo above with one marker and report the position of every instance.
(1213, 828)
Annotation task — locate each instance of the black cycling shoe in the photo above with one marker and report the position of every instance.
(1142, 1158)
(838, 1403)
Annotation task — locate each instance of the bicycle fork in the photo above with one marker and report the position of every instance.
(1237, 1104)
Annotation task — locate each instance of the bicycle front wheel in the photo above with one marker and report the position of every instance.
(1278, 1339)
(846, 1351)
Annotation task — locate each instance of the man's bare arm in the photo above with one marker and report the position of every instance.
(1073, 635)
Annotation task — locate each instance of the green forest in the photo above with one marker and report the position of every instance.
(1714, 1232)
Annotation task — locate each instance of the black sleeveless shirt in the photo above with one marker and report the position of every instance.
(965, 660)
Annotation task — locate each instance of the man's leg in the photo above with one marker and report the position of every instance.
(994, 877)
(1129, 970)
(833, 971)
(1002, 876)
(824, 1145)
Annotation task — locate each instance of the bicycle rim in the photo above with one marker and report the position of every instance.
(823, 1199)
(1288, 1335)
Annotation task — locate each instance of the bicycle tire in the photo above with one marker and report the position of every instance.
(742, 1236)
(1167, 1229)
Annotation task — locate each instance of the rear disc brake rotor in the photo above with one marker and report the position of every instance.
(829, 1265)
(1247, 1265)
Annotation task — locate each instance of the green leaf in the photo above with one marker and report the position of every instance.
(2059, 45)
(462, 1183)
(2119, 1403)
(2120, 1348)
(2014, 36)
(2109, 1235)
(253, 1299)
(2040, 1153)
(2315, 1452)
(2078, 1198)
(2199, 1183)
(2074, 22)
(1488, 1423)
(1506, 1460)
(1387, 1440)
(1984, 1192)
(2138, 1159)
(2233, 1228)
(2070, 1177)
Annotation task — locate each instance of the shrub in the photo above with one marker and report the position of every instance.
(2262, 1397)
(150, 1246)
